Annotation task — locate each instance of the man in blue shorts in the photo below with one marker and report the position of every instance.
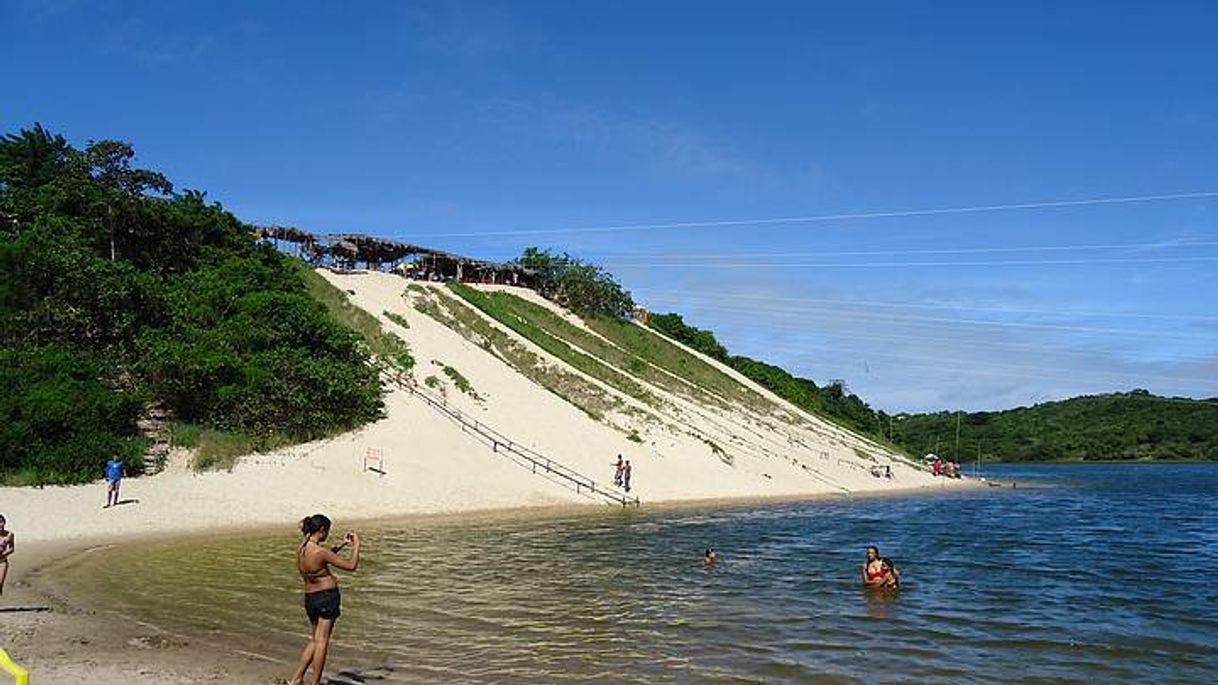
(114, 478)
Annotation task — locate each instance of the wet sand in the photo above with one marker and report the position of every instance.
(68, 639)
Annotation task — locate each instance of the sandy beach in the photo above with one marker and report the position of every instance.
(431, 465)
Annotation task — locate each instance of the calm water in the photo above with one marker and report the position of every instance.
(1081, 574)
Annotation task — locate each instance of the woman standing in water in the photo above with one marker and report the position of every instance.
(321, 600)
(872, 571)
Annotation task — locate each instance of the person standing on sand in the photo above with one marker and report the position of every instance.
(114, 479)
(322, 600)
(626, 475)
(617, 473)
(6, 550)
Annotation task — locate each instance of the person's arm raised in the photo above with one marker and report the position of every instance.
(349, 563)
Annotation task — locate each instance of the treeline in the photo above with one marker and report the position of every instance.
(117, 293)
(833, 400)
(586, 289)
(1131, 425)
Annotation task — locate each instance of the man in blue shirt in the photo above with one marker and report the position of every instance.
(114, 478)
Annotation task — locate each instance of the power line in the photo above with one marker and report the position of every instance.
(955, 342)
(719, 297)
(892, 265)
(1061, 372)
(835, 313)
(848, 216)
(892, 253)
(1021, 370)
(1047, 373)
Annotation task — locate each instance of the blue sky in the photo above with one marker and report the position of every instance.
(430, 120)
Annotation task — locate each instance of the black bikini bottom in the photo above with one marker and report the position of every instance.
(322, 604)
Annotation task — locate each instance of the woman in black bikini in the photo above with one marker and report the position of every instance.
(321, 600)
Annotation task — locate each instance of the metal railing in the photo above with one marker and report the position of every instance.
(501, 444)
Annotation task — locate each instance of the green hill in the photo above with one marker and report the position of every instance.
(1132, 425)
(118, 294)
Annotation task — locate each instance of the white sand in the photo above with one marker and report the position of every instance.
(432, 466)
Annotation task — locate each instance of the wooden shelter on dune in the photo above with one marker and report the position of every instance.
(355, 252)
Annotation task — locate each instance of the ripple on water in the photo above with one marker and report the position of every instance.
(1071, 582)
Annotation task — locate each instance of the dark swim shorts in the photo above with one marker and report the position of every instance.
(322, 604)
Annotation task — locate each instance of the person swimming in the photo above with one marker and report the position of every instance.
(890, 578)
(321, 600)
(710, 557)
(872, 572)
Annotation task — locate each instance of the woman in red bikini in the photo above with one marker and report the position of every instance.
(872, 572)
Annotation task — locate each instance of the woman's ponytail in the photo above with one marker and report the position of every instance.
(314, 523)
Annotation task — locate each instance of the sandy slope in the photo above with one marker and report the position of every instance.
(432, 466)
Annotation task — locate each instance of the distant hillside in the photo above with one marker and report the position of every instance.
(833, 401)
(1132, 425)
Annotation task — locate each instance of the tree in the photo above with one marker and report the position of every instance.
(581, 287)
(32, 157)
(116, 293)
(108, 164)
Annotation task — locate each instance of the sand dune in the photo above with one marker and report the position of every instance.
(681, 448)
(433, 466)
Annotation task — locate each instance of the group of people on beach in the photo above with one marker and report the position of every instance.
(621, 473)
(949, 469)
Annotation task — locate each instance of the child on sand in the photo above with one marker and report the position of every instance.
(114, 479)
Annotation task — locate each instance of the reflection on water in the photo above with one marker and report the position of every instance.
(1087, 574)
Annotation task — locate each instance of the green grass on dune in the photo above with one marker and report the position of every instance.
(555, 336)
(220, 449)
(380, 342)
(459, 317)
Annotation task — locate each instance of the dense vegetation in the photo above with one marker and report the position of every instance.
(586, 289)
(117, 293)
(1132, 425)
(833, 401)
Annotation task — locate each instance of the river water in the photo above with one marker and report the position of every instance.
(1081, 574)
